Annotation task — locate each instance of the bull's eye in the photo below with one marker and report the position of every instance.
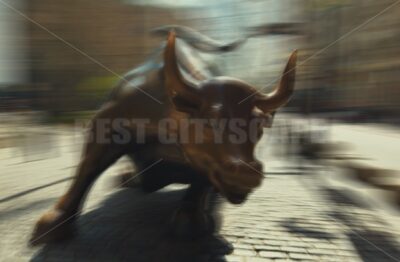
(257, 112)
(267, 118)
(216, 107)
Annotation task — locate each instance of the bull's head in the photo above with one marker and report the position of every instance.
(229, 164)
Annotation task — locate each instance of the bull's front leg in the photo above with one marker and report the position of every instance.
(194, 218)
(58, 223)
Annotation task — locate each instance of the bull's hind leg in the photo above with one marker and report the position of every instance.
(57, 224)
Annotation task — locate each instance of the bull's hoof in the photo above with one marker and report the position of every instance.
(53, 226)
(187, 224)
(217, 246)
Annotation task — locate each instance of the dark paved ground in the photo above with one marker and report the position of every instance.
(293, 216)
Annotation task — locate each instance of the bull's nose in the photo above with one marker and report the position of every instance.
(237, 172)
(255, 165)
(240, 166)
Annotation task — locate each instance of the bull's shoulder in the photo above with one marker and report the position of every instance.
(153, 151)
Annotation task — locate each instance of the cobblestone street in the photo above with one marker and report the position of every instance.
(295, 215)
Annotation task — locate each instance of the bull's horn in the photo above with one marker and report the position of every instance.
(182, 93)
(282, 93)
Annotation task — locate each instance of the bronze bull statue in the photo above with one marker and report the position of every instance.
(168, 90)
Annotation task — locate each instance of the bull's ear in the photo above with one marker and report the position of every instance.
(183, 94)
(283, 92)
(266, 118)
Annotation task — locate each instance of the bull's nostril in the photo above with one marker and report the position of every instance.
(238, 166)
(256, 165)
(232, 165)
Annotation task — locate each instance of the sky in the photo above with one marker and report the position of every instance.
(180, 3)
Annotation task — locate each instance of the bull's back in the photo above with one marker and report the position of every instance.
(148, 75)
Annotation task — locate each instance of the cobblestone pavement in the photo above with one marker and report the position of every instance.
(293, 216)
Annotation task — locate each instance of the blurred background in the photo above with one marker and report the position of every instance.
(345, 74)
(342, 121)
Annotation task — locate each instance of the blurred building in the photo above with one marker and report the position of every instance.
(115, 34)
(358, 69)
(14, 69)
(77, 49)
(13, 45)
(95, 42)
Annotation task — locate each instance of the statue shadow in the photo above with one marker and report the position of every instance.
(303, 228)
(133, 226)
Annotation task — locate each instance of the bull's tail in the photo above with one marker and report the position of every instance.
(276, 29)
(197, 40)
(204, 43)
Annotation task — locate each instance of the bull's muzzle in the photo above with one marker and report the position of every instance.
(236, 179)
